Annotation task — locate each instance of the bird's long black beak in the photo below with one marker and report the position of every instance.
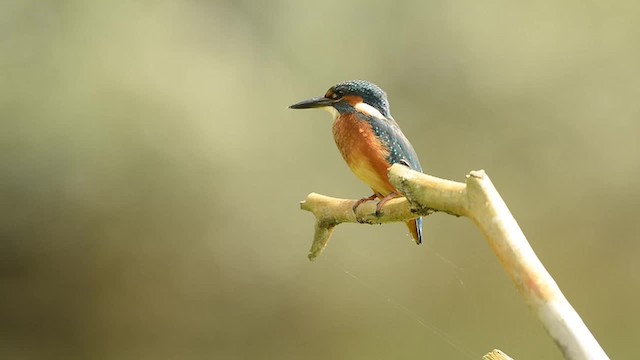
(315, 102)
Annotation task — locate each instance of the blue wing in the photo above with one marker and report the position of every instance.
(400, 149)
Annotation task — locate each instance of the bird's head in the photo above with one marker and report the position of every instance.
(350, 96)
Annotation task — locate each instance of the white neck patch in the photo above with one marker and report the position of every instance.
(369, 110)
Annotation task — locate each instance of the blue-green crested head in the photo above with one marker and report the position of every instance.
(370, 93)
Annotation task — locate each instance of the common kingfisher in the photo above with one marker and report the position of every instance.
(368, 138)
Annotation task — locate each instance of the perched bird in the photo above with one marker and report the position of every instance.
(368, 138)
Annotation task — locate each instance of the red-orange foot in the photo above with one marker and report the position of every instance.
(384, 201)
(359, 202)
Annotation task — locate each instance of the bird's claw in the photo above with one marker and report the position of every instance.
(359, 202)
(384, 201)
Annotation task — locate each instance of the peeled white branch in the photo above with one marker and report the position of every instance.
(478, 200)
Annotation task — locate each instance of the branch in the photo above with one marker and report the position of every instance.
(330, 212)
(478, 200)
(496, 354)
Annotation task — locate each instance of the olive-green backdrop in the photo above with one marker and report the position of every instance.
(151, 174)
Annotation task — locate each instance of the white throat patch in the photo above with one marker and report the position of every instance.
(331, 110)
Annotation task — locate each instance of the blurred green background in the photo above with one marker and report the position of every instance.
(151, 175)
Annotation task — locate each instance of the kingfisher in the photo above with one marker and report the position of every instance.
(368, 138)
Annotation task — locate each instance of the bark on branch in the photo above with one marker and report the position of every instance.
(478, 200)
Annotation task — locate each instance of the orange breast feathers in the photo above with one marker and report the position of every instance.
(363, 152)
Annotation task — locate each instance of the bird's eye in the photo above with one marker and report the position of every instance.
(335, 95)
